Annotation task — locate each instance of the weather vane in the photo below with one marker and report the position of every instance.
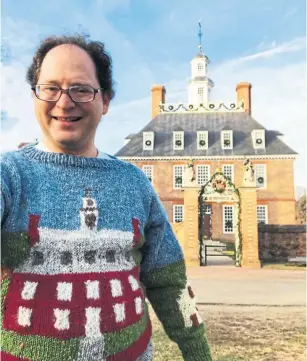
(200, 34)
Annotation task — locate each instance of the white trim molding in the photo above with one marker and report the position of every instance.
(212, 157)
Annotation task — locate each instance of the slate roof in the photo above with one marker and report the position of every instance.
(241, 123)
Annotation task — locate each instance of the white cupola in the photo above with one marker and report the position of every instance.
(200, 86)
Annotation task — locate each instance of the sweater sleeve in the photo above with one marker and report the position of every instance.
(163, 273)
(6, 198)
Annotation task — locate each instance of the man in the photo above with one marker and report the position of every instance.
(84, 235)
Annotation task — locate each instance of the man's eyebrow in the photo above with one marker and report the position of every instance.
(77, 82)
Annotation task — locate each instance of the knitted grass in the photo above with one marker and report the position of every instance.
(244, 334)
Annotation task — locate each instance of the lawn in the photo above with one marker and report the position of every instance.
(244, 334)
(284, 266)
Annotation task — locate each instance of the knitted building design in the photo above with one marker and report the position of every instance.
(92, 285)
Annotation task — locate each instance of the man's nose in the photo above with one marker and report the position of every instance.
(65, 101)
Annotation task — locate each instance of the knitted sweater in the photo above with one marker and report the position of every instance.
(86, 240)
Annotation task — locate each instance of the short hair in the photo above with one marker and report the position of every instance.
(95, 49)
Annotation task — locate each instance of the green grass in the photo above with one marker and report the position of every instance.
(284, 266)
(243, 334)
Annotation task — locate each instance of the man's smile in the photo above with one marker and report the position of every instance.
(67, 119)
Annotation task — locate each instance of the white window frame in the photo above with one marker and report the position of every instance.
(149, 172)
(178, 135)
(226, 134)
(266, 215)
(232, 171)
(198, 167)
(202, 135)
(148, 136)
(180, 208)
(225, 231)
(258, 174)
(258, 134)
(200, 66)
(175, 174)
(200, 91)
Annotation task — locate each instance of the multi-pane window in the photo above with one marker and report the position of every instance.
(202, 139)
(200, 66)
(177, 213)
(228, 170)
(260, 175)
(178, 140)
(226, 139)
(262, 214)
(148, 170)
(228, 219)
(148, 140)
(178, 176)
(202, 174)
(200, 91)
(259, 138)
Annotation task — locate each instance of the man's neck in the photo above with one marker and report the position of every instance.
(89, 152)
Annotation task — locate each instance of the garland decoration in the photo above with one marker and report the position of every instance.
(218, 175)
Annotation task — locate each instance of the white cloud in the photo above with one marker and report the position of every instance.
(288, 47)
(278, 99)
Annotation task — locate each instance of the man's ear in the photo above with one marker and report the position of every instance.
(106, 102)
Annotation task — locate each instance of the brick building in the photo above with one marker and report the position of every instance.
(215, 136)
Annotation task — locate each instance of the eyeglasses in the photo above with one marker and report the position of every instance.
(77, 93)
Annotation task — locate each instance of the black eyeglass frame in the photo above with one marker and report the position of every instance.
(66, 91)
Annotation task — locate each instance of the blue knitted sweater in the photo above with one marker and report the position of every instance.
(86, 240)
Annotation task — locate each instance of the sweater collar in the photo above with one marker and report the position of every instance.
(69, 160)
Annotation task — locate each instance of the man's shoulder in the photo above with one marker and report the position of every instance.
(130, 168)
(10, 156)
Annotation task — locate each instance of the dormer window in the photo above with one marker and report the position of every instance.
(178, 140)
(202, 139)
(227, 139)
(148, 140)
(258, 136)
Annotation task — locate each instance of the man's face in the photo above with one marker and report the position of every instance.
(65, 66)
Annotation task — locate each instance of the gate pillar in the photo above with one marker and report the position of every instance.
(191, 243)
(249, 227)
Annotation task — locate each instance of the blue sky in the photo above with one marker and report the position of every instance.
(152, 42)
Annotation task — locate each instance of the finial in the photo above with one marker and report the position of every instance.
(200, 34)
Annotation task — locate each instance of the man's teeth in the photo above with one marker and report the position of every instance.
(67, 119)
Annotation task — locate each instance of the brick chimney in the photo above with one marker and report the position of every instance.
(244, 93)
(157, 97)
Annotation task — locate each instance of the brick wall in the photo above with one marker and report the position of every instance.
(278, 195)
(278, 242)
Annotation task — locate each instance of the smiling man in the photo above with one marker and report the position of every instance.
(84, 236)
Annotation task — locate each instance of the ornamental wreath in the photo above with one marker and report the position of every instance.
(178, 142)
(202, 142)
(178, 180)
(228, 224)
(148, 142)
(260, 180)
(259, 141)
(227, 142)
(219, 185)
